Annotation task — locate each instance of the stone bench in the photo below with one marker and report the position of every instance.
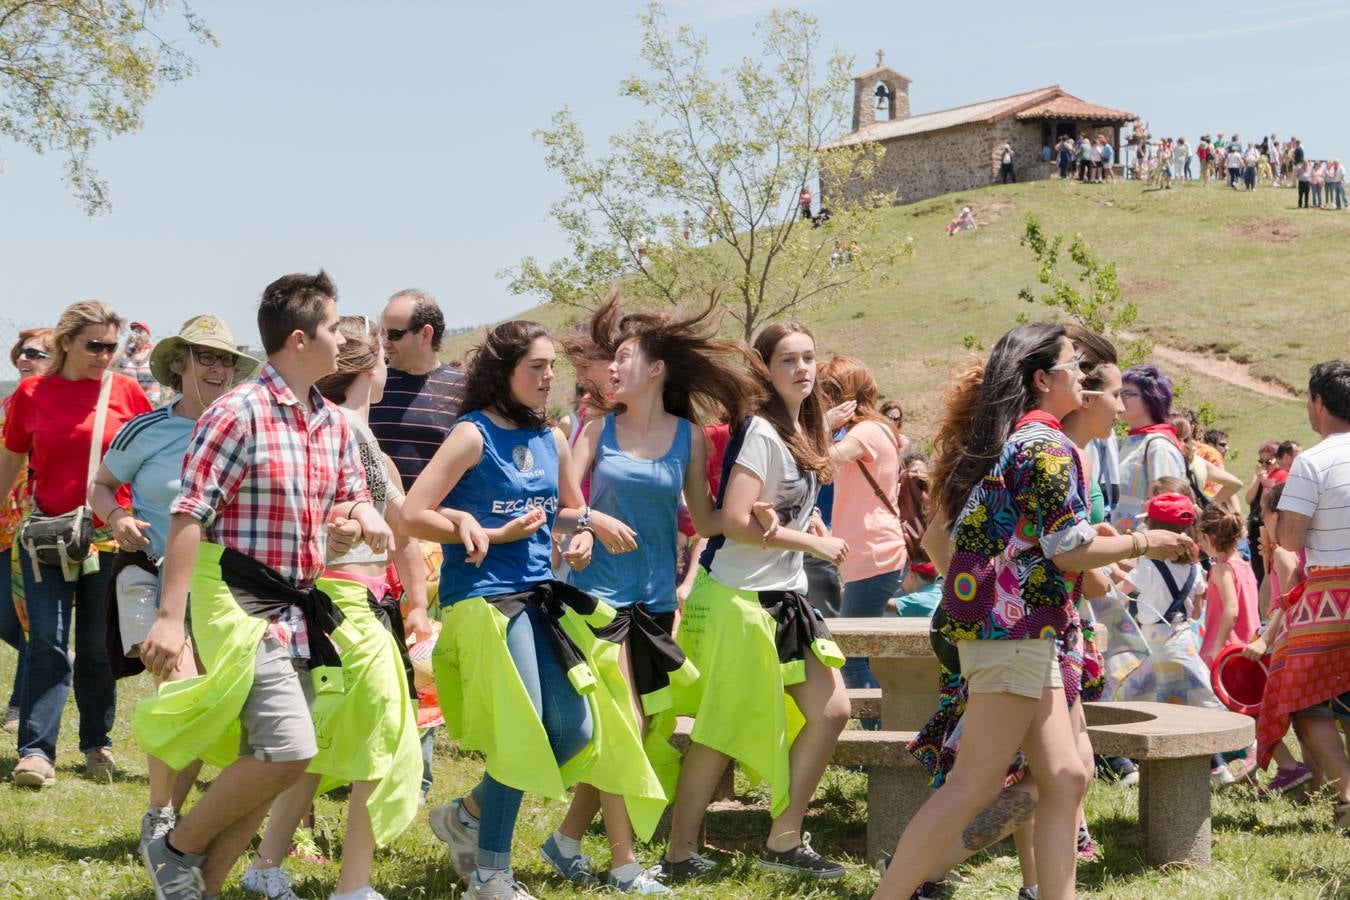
(865, 703)
(1173, 745)
(896, 782)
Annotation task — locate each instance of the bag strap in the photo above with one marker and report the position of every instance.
(876, 489)
(1179, 595)
(100, 420)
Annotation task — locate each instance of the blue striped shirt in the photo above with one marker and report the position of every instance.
(415, 415)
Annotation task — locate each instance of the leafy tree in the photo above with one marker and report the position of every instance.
(698, 198)
(1092, 297)
(72, 71)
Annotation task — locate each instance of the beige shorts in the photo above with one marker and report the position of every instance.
(1024, 668)
(276, 725)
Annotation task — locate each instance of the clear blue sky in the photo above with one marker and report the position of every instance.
(390, 142)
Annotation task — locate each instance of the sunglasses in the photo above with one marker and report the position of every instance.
(210, 358)
(98, 348)
(394, 335)
(1075, 363)
(34, 353)
(1266, 462)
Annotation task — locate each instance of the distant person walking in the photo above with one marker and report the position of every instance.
(1064, 150)
(1335, 184)
(1234, 163)
(1304, 173)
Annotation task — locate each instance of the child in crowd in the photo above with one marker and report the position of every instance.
(923, 592)
(1231, 614)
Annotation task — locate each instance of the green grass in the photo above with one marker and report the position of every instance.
(1200, 285)
(78, 839)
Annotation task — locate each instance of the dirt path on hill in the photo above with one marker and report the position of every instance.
(1234, 373)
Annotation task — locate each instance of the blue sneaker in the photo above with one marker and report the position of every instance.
(576, 869)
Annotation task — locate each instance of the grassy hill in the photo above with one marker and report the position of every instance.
(1245, 285)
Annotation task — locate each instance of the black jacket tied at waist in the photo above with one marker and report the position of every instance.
(554, 598)
(262, 592)
(655, 658)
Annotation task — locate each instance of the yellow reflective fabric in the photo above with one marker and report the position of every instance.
(366, 728)
(198, 718)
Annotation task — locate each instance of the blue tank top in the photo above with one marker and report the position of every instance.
(518, 470)
(645, 495)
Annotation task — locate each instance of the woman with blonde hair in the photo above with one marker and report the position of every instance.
(50, 430)
(866, 485)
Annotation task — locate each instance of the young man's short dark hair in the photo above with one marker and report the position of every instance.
(293, 302)
(425, 311)
(1331, 381)
(1216, 437)
(1286, 448)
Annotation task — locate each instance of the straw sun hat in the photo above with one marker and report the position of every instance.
(207, 333)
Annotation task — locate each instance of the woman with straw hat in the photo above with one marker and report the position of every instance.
(200, 364)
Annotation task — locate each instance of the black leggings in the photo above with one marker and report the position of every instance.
(1304, 190)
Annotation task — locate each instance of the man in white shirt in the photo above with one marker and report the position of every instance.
(1314, 516)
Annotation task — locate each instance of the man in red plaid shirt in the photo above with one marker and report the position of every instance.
(270, 475)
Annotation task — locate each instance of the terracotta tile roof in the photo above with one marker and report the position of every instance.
(1042, 103)
(986, 111)
(1067, 106)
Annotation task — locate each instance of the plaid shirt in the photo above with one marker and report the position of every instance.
(262, 477)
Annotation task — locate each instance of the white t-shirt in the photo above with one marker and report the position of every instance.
(1154, 597)
(1319, 487)
(793, 494)
(1234, 159)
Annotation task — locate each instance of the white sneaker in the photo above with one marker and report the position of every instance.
(273, 883)
(502, 886)
(460, 838)
(1221, 776)
(361, 893)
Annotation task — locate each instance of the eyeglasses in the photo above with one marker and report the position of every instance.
(1075, 363)
(209, 358)
(34, 353)
(394, 335)
(1129, 395)
(98, 348)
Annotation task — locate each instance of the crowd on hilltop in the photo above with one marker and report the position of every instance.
(326, 554)
(1242, 165)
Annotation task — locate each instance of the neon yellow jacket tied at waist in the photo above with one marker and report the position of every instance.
(487, 709)
(198, 718)
(733, 641)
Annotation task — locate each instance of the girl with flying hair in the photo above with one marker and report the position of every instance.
(666, 372)
(512, 680)
(750, 629)
(1009, 490)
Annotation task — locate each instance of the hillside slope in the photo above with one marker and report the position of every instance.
(1241, 291)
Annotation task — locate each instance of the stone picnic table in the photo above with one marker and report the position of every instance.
(1172, 744)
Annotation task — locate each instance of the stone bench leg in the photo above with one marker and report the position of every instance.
(1174, 810)
(893, 797)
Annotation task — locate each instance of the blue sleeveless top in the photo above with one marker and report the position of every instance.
(518, 470)
(644, 494)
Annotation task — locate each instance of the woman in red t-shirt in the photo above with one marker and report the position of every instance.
(49, 425)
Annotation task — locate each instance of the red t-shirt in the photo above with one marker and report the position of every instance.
(720, 436)
(52, 420)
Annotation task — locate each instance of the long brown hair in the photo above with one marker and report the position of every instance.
(959, 403)
(845, 378)
(982, 413)
(707, 378)
(488, 380)
(809, 446)
(359, 354)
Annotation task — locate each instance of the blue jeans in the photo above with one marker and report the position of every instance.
(867, 599)
(11, 632)
(427, 740)
(567, 722)
(48, 672)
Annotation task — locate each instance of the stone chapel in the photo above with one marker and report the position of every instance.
(958, 149)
